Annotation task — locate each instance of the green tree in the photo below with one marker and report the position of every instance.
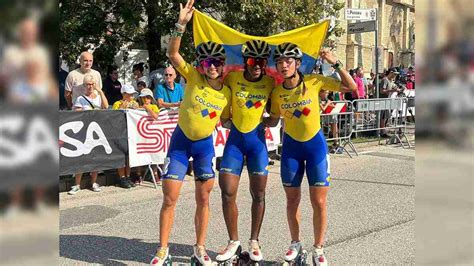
(103, 25)
(264, 18)
(109, 25)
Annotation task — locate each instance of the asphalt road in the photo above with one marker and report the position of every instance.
(371, 216)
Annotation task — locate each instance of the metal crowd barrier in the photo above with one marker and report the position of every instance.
(338, 127)
(370, 114)
(410, 116)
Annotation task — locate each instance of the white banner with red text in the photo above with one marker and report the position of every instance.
(149, 139)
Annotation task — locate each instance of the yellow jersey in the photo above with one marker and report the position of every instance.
(299, 106)
(131, 105)
(202, 106)
(248, 99)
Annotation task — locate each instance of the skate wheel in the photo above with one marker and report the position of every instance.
(195, 262)
(304, 257)
(244, 258)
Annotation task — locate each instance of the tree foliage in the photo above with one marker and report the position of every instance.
(111, 25)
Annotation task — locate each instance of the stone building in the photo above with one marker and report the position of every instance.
(396, 36)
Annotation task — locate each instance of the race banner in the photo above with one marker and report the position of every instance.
(149, 139)
(309, 38)
(28, 145)
(92, 140)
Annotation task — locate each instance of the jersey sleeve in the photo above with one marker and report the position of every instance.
(274, 109)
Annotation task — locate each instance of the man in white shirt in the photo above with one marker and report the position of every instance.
(74, 82)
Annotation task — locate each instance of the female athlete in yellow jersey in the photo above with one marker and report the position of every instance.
(250, 92)
(206, 100)
(304, 146)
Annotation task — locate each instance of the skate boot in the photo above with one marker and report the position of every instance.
(255, 253)
(200, 257)
(295, 255)
(318, 257)
(230, 255)
(162, 257)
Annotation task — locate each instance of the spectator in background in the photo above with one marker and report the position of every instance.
(36, 85)
(138, 75)
(387, 87)
(358, 75)
(170, 93)
(74, 87)
(127, 102)
(112, 86)
(15, 55)
(140, 86)
(62, 75)
(33, 84)
(411, 78)
(371, 85)
(147, 103)
(324, 103)
(349, 95)
(93, 99)
(156, 76)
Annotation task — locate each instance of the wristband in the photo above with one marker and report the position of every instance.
(176, 33)
(180, 27)
(337, 65)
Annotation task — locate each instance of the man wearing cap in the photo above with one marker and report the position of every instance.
(170, 93)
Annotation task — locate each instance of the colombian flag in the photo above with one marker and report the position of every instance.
(308, 38)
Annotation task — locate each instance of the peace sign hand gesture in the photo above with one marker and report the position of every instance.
(186, 12)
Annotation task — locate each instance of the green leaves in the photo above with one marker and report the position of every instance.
(109, 25)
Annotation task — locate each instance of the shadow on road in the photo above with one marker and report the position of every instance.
(112, 250)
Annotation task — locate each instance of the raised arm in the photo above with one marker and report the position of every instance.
(348, 83)
(185, 15)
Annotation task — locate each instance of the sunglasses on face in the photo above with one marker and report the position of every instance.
(168, 75)
(262, 62)
(212, 61)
